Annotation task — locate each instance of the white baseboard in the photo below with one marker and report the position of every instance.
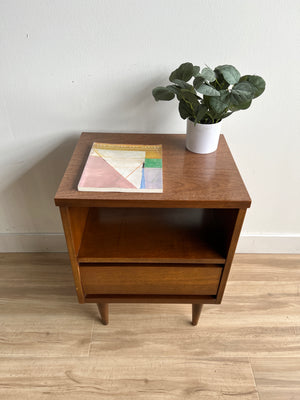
(55, 242)
(289, 244)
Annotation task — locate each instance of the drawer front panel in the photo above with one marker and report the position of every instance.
(160, 279)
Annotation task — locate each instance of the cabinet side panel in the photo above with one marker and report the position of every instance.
(78, 218)
(231, 250)
(224, 221)
(72, 243)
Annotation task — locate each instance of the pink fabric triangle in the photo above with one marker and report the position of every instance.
(99, 174)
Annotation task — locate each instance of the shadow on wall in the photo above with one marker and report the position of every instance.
(27, 202)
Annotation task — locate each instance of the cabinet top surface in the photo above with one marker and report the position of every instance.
(189, 179)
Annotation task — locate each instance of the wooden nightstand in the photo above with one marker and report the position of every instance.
(170, 247)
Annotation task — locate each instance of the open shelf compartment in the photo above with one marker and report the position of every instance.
(155, 235)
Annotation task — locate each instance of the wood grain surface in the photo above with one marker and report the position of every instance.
(277, 378)
(189, 179)
(151, 235)
(172, 279)
(73, 233)
(53, 348)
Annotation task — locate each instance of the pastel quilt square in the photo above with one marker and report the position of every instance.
(153, 163)
(120, 168)
(153, 178)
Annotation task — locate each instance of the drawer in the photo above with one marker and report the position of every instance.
(161, 279)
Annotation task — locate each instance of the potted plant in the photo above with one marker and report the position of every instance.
(212, 96)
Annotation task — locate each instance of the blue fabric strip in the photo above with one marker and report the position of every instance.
(143, 179)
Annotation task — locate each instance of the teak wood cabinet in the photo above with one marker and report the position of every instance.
(170, 247)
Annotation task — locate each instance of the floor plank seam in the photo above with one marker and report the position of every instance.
(254, 380)
(91, 339)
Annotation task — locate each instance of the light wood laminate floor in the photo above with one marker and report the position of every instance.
(247, 348)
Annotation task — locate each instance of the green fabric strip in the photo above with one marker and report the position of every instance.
(153, 163)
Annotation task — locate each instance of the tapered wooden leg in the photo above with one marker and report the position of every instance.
(103, 311)
(196, 313)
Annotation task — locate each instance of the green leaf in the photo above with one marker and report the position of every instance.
(185, 110)
(241, 93)
(202, 109)
(243, 106)
(208, 90)
(230, 73)
(220, 83)
(258, 84)
(226, 115)
(183, 84)
(208, 74)
(184, 72)
(190, 98)
(198, 82)
(162, 93)
(175, 89)
(219, 104)
(192, 104)
(196, 70)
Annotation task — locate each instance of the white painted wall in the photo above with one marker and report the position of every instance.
(68, 66)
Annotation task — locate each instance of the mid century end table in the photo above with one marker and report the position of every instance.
(170, 247)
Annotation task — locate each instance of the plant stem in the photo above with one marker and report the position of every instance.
(218, 83)
(212, 120)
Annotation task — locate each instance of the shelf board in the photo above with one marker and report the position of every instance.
(130, 298)
(127, 235)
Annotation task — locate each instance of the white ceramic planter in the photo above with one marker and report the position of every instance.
(202, 138)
